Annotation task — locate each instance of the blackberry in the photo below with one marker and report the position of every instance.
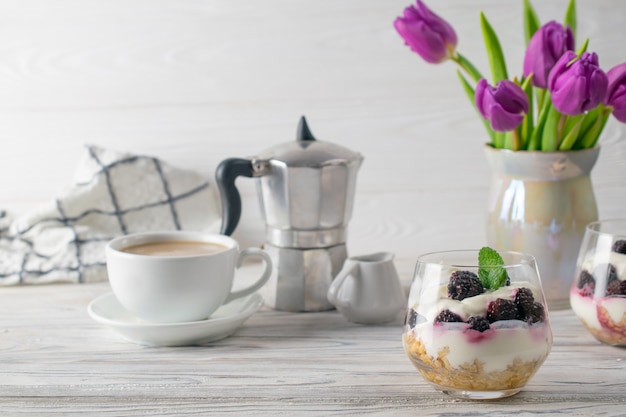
(478, 323)
(607, 270)
(464, 284)
(446, 316)
(527, 309)
(524, 297)
(619, 246)
(586, 278)
(501, 309)
(411, 319)
(616, 287)
(535, 314)
(524, 300)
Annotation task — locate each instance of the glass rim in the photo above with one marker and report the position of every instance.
(522, 255)
(593, 227)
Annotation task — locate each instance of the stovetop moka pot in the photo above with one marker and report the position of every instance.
(306, 193)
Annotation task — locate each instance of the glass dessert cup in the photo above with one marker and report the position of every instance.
(471, 342)
(598, 293)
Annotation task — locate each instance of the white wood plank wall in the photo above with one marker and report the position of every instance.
(194, 82)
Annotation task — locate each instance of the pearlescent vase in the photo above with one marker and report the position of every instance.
(540, 203)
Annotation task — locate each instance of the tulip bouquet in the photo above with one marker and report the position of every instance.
(561, 101)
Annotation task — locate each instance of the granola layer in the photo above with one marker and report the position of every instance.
(469, 375)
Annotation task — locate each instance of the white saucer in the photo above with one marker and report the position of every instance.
(107, 310)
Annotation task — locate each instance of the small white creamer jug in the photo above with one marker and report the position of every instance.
(367, 290)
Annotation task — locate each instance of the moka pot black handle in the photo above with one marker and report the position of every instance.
(227, 172)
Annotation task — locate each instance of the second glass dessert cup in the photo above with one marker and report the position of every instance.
(477, 332)
(598, 293)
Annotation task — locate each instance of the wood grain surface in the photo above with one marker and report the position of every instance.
(57, 361)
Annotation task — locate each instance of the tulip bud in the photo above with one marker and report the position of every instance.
(545, 48)
(616, 92)
(504, 106)
(578, 87)
(426, 33)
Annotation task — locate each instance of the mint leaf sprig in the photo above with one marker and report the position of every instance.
(491, 270)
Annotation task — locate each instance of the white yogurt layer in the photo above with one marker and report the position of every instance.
(585, 308)
(496, 348)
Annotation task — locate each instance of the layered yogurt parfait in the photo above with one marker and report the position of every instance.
(477, 330)
(598, 294)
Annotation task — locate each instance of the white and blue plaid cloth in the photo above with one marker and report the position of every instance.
(113, 194)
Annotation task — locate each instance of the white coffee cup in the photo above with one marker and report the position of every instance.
(181, 287)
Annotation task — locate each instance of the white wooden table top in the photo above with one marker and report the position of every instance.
(57, 361)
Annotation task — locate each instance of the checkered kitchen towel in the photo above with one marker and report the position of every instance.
(113, 194)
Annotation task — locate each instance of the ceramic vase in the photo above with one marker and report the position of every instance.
(539, 203)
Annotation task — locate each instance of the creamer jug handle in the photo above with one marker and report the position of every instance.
(227, 172)
(349, 268)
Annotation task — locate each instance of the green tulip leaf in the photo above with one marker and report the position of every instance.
(531, 21)
(550, 135)
(571, 132)
(570, 16)
(534, 143)
(590, 137)
(494, 50)
(589, 120)
(499, 140)
(570, 123)
(525, 84)
(603, 119)
(582, 49)
(512, 140)
(528, 123)
(468, 67)
(509, 141)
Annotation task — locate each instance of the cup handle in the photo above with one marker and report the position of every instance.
(261, 281)
(347, 270)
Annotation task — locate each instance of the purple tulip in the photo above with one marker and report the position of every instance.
(545, 48)
(503, 105)
(578, 87)
(426, 33)
(616, 92)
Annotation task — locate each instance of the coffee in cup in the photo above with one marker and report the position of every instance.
(175, 248)
(177, 276)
